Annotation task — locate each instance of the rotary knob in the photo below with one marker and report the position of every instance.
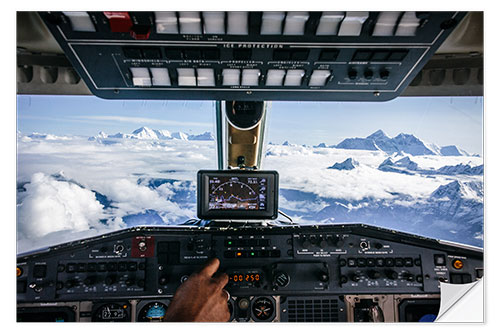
(323, 277)
(356, 277)
(89, 281)
(109, 280)
(281, 279)
(393, 275)
(372, 274)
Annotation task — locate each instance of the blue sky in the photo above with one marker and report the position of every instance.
(440, 120)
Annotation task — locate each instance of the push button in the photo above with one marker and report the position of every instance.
(81, 267)
(40, 271)
(408, 262)
(439, 260)
(70, 268)
(399, 262)
(351, 262)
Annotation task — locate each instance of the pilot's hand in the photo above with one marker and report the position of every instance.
(201, 297)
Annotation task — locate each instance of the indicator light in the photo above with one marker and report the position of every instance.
(458, 264)
(19, 272)
(252, 253)
(238, 254)
(230, 243)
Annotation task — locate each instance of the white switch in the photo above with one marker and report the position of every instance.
(272, 23)
(352, 23)
(408, 24)
(275, 77)
(230, 77)
(205, 77)
(190, 23)
(237, 23)
(318, 77)
(295, 23)
(186, 77)
(80, 21)
(250, 77)
(386, 23)
(329, 23)
(213, 23)
(166, 23)
(140, 76)
(160, 76)
(294, 77)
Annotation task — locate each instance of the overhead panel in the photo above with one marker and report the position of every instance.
(214, 55)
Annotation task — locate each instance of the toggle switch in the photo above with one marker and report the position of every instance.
(190, 23)
(237, 23)
(205, 77)
(186, 77)
(408, 24)
(166, 23)
(295, 23)
(140, 76)
(250, 77)
(294, 77)
(80, 21)
(275, 77)
(213, 23)
(119, 21)
(329, 23)
(272, 23)
(319, 77)
(352, 23)
(230, 77)
(160, 76)
(386, 23)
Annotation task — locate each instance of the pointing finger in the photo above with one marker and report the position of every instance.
(210, 267)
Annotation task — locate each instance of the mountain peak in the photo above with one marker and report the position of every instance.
(377, 135)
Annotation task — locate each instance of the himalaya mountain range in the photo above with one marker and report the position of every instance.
(74, 187)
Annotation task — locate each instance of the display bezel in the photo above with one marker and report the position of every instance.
(271, 211)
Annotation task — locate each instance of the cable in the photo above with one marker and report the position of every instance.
(285, 215)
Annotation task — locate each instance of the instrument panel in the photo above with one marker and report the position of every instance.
(320, 273)
(250, 56)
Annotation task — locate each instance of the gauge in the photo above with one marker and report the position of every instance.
(263, 309)
(154, 311)
(111, 312)
(234, 193)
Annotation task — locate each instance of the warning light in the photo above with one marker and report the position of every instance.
(458, 264)
(239, 254)
(125, 306)
(19, 272)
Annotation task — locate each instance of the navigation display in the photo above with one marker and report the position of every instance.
(247, 193)
(237, 194)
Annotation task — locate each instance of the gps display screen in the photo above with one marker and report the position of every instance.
(237, 194)
(240, 193)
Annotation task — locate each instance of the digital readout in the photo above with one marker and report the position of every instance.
(244, 277)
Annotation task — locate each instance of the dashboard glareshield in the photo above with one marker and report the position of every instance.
(237, 194)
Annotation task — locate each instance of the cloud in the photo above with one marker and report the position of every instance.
(142, 121)
(50, 206)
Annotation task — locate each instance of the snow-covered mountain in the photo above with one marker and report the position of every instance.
(404, 165)
(402, 144)
(146, 133)
(461, 169)
(348, 164)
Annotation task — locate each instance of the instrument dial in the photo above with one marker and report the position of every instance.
(154, 311)
(263, 309)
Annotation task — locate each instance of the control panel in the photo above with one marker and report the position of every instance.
(319, 56)
(275, 273)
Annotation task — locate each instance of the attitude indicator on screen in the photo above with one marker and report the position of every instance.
(237, 193)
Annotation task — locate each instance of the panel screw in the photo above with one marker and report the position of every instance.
(376, 93)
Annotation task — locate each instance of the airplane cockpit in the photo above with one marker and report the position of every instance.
(294, 249)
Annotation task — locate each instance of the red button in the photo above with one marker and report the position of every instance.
(119, 21)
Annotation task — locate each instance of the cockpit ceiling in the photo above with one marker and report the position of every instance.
(455, 69)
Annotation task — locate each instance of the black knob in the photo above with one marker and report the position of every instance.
(323, 277)
(129, 282)
(109, 280)
(313, 239)
(409, 277)
(372, 274)
(384, 74)
(141, 283)
(343, 279)
(393, 275)
(90, 280)
(368, 74)
(356, 277)
(339, 243)
(352, 74)
(59, 285)
(281, 279)
(306, 243)
(378, 246)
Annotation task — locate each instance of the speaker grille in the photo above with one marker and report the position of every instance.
(313, 310)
